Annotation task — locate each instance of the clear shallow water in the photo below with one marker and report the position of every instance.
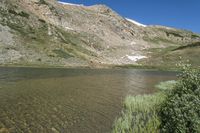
(69, 100)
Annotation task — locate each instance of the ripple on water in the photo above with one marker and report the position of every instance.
(68, 100)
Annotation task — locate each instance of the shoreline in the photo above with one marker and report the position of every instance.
(105, 66)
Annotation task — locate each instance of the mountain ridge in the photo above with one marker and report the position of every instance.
(48, 33)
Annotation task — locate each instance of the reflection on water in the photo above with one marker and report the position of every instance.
(69, 100)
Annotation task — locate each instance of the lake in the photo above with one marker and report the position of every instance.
(39, 100)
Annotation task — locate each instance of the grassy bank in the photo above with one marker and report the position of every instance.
(161, 68)
(40, 66)
(175, 108)
(140, 112)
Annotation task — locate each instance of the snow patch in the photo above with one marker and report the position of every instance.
(133, 43)
(160, 26)
(68, 28)
(135, 22)
(49, 31)
(71, 4)
(168, 28)
(135, 57)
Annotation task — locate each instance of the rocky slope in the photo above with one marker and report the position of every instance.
(49, 33)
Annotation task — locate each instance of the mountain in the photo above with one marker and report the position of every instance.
(51, 33)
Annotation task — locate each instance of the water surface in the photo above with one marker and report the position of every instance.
(38, 100)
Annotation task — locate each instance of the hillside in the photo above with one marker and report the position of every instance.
(49, 33)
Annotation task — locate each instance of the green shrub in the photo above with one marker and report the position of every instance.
(12, 11)
(180, 112)
(42, 21)
(194, 36)
(22, 13)
(176, 34)
(61, 53)
(42, 2)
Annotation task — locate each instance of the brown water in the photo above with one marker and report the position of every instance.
(69, 100)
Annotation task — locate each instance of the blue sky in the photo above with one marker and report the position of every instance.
(182, 14)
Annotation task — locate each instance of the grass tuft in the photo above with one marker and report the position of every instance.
(166, 85)
(140, 114)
